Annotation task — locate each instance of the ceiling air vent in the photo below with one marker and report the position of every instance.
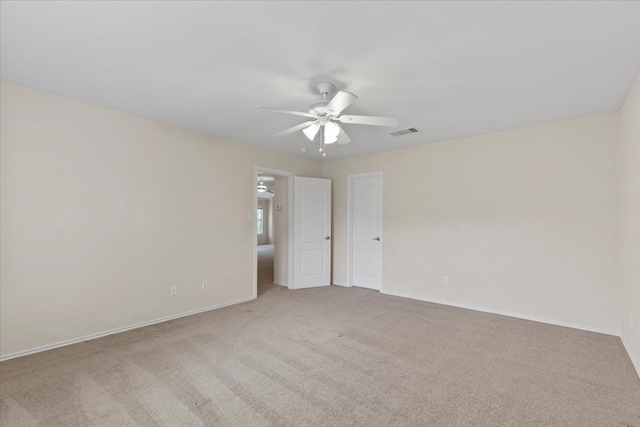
(406, 131)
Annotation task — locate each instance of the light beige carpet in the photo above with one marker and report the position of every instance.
(329, 357)
(265, 269)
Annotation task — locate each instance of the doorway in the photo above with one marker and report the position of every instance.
(264, 218)
(273, 196)
(365, 230)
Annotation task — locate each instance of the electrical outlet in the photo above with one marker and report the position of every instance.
(445, 280)
(205, 285)
(173, 291)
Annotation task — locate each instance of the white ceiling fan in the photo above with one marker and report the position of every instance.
(326, 113)
(262, 187)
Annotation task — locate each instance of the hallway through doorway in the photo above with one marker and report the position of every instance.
(265, 269)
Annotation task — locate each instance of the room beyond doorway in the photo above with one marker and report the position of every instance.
(265, 269)
(272, 232)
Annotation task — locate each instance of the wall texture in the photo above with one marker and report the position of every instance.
(102, 211)
(265, 237)
(522, 222)
(270, 221)
(629, 231)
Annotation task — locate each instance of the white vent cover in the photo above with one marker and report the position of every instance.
(406, 131)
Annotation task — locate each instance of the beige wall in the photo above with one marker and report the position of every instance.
(102, 211)
(265, 238)
(270, 221)
(522, 222)
(629, 157)
(280, 231)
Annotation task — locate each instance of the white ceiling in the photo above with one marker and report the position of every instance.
(452, 69)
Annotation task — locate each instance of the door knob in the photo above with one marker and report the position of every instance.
(327, 238)
(376, 238)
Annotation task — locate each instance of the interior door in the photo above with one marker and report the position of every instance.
(366, 230)
(311, 232)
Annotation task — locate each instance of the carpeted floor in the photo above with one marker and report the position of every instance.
(265, 269)
(329, 357)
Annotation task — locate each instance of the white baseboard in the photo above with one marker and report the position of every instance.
(504, 313)
(635, 360)
(341, 284)
(118, 330)
(280, 283)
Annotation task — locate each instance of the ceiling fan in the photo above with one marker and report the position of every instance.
(326, 113)
(263, 188)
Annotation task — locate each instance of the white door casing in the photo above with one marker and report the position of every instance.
(311, 232)
(365, 215)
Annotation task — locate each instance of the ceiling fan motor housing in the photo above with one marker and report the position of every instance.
(318, 108)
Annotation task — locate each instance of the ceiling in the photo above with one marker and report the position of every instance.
(451, 69)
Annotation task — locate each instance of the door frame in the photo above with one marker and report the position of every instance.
(289, 175)
(351, 179)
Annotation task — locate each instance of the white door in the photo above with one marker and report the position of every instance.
(311, 232)
(365, 210)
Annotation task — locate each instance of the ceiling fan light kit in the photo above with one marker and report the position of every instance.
(326, 113)
(311, 131)
(331, 131)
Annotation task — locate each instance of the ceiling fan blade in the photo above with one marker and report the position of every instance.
(343, 138)
(279, 110)
(341, 101)
(295, 128)
(369, 120)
